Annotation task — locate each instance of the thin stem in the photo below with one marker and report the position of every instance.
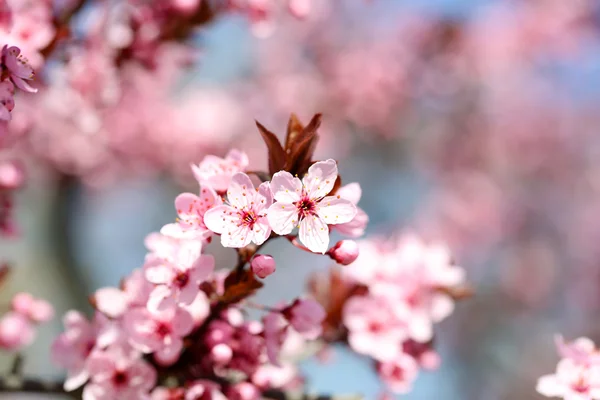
(294, 240)
(17, 365)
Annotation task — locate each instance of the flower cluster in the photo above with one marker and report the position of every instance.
(577, 374)
(176, 328)
(17, 327)
(390, 298)
(179, 319)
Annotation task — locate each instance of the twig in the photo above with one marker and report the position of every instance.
(14, 384)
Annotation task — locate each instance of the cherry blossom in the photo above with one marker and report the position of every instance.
(117, 374)
(17, 67)
(303, 203)
(571, 381)
(244, 219)
(158, 333)
(216, 173)
(73, 347)
(178, 280)
(376, 327)
(191, 210)
(399, 374)
(114, 302)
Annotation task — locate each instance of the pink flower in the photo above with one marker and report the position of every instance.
(16, 331)
(581, 350)
(216, 172)
(17, 68)
(178, 279)
(114, 302)
(571, 381)
(191, 210)
(72, 348)
(356, 227)
(244, 219)
(116, 375)
(304, 203)
(408, 271)
(375, 327)
(158, 333)
(344, 252)
(306, 317)
(399, 374)
(263, 265)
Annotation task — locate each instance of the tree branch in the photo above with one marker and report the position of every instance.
(14, 384)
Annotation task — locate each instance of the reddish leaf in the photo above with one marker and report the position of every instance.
(238, 286)
(277, 156)
(303, 148)
(294, 131)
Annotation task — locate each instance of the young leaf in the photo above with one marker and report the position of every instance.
(277, 156)
(294, 132)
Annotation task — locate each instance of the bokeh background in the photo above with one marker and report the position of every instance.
(473, 121)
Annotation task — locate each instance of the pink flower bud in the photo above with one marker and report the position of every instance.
(344, 252)
(221, 354)
(263, 265)
(243, 391)
(11, 175)
(16, 331)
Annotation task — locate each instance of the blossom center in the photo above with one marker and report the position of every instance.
(163, 329)
(306, 207)
(182, 279)
(248, 218)
(119, 378)
(580, 386)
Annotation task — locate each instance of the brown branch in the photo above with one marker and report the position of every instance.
(14, 384)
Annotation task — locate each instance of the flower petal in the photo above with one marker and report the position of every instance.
(356, 227)
(335, 210)
(182, 323)
(264, 193)
(158, 274)
(282, 217)
(314, 234)
(241, 191)
(351, 192)
(261, 231)
(169, 353)
(237, 237)
(111, 301)
(285, 187)
(221, 219)
(321, 178)
(23, 85)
